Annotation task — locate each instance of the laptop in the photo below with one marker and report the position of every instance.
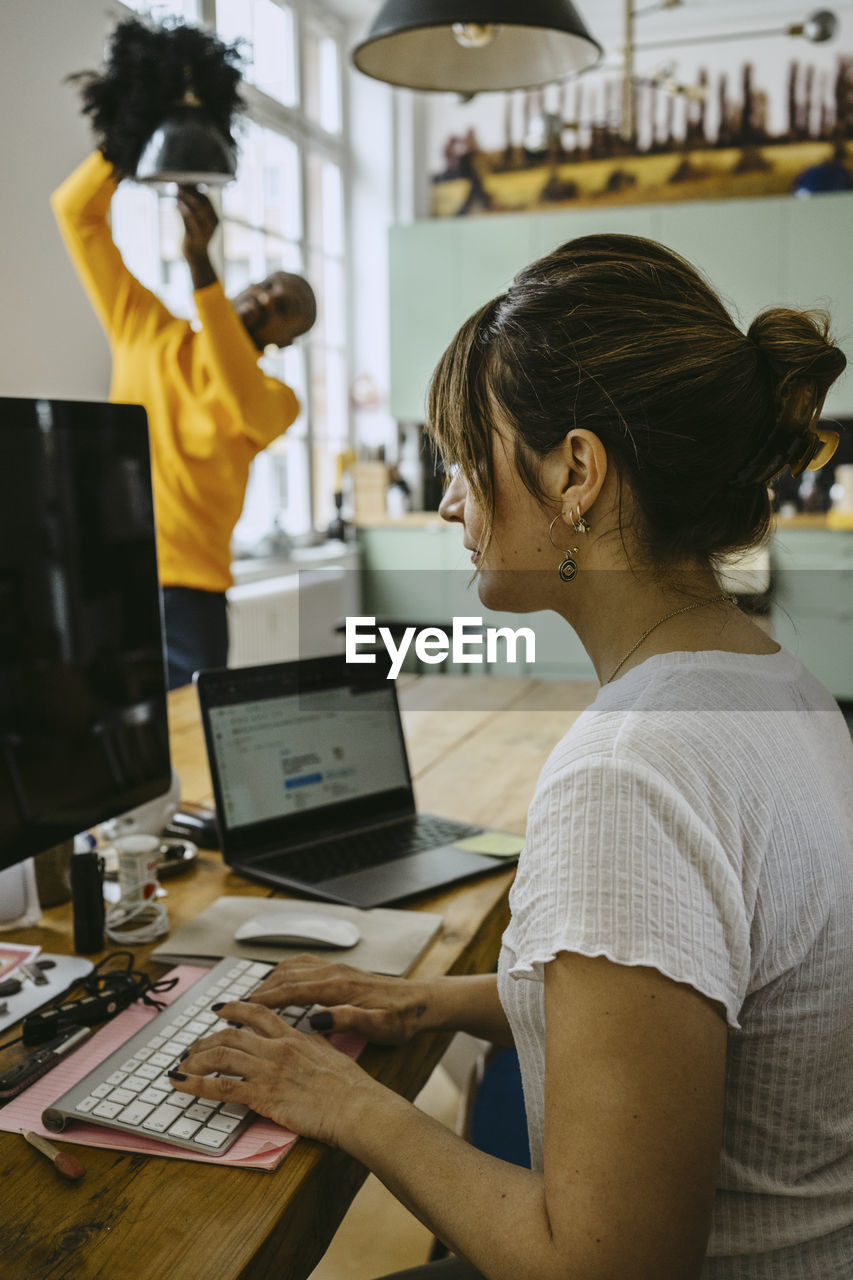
(312, 784)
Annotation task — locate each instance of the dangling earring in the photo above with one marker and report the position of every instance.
(580, 524)
(568, 568)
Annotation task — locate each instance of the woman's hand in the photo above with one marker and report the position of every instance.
(382, 1010)
(297, 1080)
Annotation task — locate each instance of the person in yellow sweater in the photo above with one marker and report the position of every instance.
(210, 407)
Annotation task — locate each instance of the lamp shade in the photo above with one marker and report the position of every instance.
(187, 148)
(475, 46)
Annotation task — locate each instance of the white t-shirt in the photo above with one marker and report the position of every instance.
(698, 819)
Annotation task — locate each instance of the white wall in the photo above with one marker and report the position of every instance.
(388, 186)
(52, 344)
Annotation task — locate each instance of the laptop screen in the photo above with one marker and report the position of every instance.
(301, 751)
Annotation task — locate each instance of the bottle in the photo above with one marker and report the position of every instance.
(398, 499)
(337, 530)
(87, 896)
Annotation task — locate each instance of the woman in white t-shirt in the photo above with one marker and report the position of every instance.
(678, 969)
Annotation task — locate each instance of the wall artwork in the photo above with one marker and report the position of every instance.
(725, 134)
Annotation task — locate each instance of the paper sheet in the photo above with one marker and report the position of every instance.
(498, 844)
(13, 954)
(263, 1145)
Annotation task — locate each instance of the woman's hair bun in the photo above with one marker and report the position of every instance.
(620, 336)
(802, 360)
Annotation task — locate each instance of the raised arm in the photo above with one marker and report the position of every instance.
(200, 222)
(264, 406)
(81, 206)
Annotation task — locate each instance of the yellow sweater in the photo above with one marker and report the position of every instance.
(210, 408)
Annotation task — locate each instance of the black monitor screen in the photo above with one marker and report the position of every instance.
(83, 729)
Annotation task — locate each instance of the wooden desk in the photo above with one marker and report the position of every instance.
(476, 748)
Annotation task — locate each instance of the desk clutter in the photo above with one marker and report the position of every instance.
(23, 993)
(200, 1217)
(250, 1143)
(390, 941)
(113, 1091)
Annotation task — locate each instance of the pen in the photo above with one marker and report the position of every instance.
(66, 1164)
(20, 1077)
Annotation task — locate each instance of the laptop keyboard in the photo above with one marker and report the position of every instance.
(371, 848)
(130, 1090)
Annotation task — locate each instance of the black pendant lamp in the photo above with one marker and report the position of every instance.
(475, 46)
(187, 148)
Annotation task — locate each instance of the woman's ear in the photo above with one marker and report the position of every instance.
(576, 470)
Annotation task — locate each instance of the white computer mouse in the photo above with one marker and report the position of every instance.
(292, 928)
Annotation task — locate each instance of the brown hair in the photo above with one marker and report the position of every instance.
(622, 336)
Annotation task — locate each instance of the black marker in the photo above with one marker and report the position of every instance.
(20, 1077)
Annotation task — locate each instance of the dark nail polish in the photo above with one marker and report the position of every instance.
(176, 1075)
(214, 1008)
(322, 1021)
(185, 1054)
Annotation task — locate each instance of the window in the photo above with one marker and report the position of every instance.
(269, 32)
(187, 10)
(287, 210)
(322, 78)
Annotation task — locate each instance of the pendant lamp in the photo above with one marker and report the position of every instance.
(475, 46)
(187, 148)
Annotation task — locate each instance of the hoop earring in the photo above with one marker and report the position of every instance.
(580, 524)
(568, 569)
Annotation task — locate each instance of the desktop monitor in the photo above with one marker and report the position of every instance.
(83, 730)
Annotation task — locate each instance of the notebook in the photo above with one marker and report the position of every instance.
(312, 784)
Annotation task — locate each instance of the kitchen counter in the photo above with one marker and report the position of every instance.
(431, 519)
(411, 520)
(285, 607)
(803, 520)
(328, 555)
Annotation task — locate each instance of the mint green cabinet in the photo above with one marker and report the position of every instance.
(818, 272)
(812, 612)
(422, 576)
(552, 229)
(757, 253)
(424, 311)
(439, 275)
(490, 252)
(737, 244)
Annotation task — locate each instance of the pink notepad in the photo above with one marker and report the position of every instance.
(263, 1145)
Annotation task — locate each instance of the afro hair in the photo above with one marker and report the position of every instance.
(147, 71)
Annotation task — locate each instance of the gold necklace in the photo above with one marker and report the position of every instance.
(698, 604)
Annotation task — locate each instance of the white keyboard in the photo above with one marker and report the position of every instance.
(131, 1091)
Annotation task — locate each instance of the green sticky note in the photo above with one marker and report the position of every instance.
(498, 844)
